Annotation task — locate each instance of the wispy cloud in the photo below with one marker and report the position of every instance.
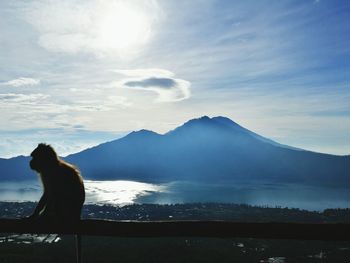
(165, 83)
(118, 100)
(19, 82)
(145, 73)
(45, 103)
(159, 81)
(65, 138)
(168, 90)
(8, 98)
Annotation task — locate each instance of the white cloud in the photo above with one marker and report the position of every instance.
(43, 104)
(9, 98)
(99, 27)
(20, 111)
(118, 100)
(160, 81)
(21, 82)
(66, 139)
(145, 73)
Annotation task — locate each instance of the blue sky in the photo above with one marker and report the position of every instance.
(78, 73)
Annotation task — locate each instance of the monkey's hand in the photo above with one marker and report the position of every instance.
(32, 217)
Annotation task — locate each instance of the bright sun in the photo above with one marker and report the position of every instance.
(101, 27)
(121, 27)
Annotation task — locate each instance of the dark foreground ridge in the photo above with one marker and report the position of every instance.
(191, 220)
(183, 240)
(188, 228)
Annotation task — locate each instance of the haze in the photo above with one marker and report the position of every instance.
(78, 73)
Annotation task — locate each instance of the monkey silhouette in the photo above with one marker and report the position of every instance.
(63, 188)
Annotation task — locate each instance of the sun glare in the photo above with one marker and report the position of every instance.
(113, 27)
(121, 27)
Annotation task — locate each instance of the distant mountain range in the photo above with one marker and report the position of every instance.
(204, 149)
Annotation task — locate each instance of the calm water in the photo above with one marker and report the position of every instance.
(128, 192)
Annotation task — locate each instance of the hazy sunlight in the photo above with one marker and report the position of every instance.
(121, 26)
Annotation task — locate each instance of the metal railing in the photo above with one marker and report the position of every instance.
(190, 228)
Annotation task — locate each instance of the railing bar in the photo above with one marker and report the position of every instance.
(218, 229)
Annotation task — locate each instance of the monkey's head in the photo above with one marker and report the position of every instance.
(43, 158)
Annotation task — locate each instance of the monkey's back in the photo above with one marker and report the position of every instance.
(68, 193)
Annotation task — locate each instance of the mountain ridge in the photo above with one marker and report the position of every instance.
(203, 149)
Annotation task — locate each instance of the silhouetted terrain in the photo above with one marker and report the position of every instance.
(205, 149)
(194, 211)
(20, 248)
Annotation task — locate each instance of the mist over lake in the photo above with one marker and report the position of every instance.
(120, 192)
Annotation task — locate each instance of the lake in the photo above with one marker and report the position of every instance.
(128, 192)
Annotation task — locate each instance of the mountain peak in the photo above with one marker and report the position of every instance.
(215, 120)
(205, 122)
(224, 120)
(142, 133)
(205, 117)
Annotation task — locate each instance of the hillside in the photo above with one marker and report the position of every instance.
(205, 149)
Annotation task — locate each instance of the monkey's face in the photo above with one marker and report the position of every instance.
(37, 159)
(34, 165)
(43, 156)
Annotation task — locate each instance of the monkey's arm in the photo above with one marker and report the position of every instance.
(41, 205)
